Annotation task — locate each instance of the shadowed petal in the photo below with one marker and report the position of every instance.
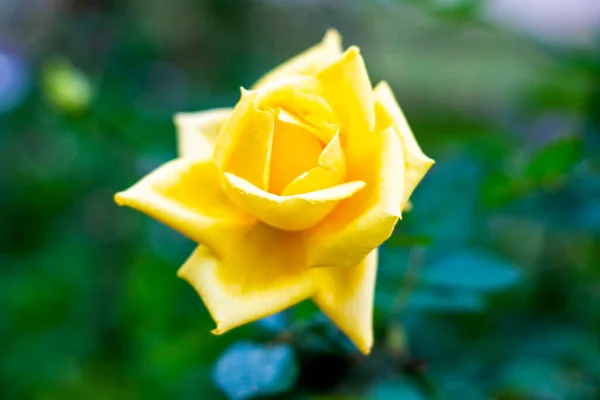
(266, 274)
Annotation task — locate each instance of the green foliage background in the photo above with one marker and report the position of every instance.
(489, 288)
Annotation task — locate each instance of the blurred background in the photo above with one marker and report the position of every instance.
(488, 289)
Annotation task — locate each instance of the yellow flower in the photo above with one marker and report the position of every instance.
(290, 193)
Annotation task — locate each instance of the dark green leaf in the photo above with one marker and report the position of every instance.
(554, 161)
(399, 240)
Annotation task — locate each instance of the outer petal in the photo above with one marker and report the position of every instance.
(346, 296)
(346, 86)
(416, 162)
(197, 132)
(266, 274)
(363, 222)
(295, 94)
(290, 213)
(245, 141)
(186, 194)
(308, 62)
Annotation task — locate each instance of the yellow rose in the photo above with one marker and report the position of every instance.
(290, 192)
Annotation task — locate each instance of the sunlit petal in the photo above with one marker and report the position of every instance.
(197, 132)
(346, 296)
(265, 274)
(346, 86)
(291, 213)
(186, 195)
(416, 162)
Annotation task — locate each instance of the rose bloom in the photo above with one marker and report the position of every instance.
(290, 193)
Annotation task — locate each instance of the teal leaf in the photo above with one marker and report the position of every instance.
(535, 378)
(248, 370)
(274, 323)
(472, 269)
(445, 300)
(394, 390)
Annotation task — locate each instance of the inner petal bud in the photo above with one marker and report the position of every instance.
(295, 150)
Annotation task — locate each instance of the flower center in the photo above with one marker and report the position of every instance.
(304, 125)
(294, 151)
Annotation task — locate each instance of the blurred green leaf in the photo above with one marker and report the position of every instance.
(247, 370)
(400, 240)
(471, 269)
(554, 161)
(500, 187)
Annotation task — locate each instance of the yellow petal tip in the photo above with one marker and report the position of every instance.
(382, 85)
(366, 351)
(181, 273)
(119, 199)
(353, 51)
(218, 331)
(245, 92)
(332, 36)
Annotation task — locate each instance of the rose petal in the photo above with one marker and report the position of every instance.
(330, 171)
(416, 162)
(297, 94)
(307, 62)
(345, 85)
(197, 132)
(363, 222)
(186, 195)
(292, 213)
(244, 144)
(294, 151)
(265, 274)
(315, 124)
(346, 296)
